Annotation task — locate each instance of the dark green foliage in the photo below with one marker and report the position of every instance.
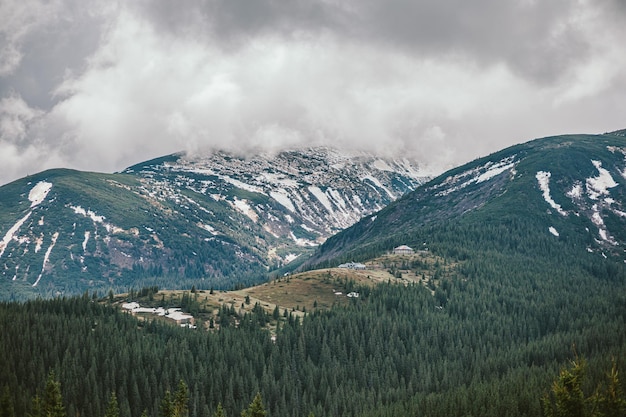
(52, 400)
(490, 351)
(6, 403)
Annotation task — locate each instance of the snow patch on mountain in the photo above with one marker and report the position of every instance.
(494, 171)
(87, 235)
(543, 178)
(291, 257)
(88, 213)
(97, 219)
(597, 220)
(301, 241)
(599, 186)
(282, 197)
(36, 196)
(476, 175)
(10, 234)
(208, 228)
(322, 198)
(242, 185)
(576, 191)
(379, 185)
(46, 257)
(244, 207)
(39, 192)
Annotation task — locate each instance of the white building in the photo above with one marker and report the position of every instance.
(403, 250)
(353, 265)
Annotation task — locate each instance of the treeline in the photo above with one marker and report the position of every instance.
(488, 343)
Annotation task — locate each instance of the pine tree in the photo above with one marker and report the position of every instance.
(255, 409)
(567, 398)
(113, 409)
(167, 406)
(220, 411)
(181, 400)
(52, 399)
(6, 403)
(613, 402)
(176, 405)
(36, 408)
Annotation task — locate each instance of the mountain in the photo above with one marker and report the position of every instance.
(558, 197)
(518, 270)
(214, 221)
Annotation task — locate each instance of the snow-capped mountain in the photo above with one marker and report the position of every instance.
(218, 220)
(552, 195)
(317, 191)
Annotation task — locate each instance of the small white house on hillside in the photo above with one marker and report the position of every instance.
(403, 250)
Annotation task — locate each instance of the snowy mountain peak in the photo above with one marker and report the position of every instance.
(321, 189)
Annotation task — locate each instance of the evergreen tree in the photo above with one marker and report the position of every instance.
(113, 409)
(568, 399)
(52, 403)
(167, 406)
(36, 408)
(220, 411)
(6, 403)
(255, 409)
(613, 402)
(176, 405)
(52, 398)
(181, 400)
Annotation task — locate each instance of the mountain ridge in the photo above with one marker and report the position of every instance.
(572, 186)
(218, 220)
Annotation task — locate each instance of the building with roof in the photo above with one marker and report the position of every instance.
(353, 265)
(403, 250)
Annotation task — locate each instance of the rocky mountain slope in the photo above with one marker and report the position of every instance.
(552, 196)
(218, 220)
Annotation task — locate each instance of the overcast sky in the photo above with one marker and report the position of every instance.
(101, 85)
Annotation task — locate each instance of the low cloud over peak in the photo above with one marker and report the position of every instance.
(443, 82)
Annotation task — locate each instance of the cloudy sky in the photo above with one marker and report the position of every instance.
(100, 85)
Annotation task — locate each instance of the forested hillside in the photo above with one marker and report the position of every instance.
(488, 345)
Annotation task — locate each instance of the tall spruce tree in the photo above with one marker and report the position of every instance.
(52, 398)
(220, 411)
(255, 409)
(113, 409)
(6, 403)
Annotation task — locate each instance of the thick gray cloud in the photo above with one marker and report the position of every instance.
(540, 40)
(102, 85)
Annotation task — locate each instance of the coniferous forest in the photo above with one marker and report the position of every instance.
(491, 345)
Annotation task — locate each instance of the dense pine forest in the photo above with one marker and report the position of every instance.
(488, 345)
